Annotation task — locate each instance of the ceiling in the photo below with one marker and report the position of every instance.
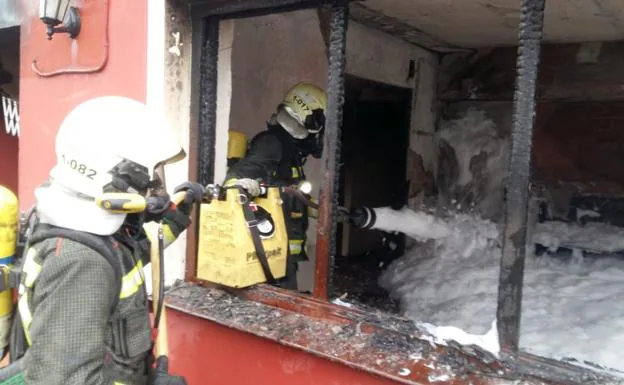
(482, 23)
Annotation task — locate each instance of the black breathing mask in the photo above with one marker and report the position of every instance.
(313, 143)
(128, 176)
(133, 178)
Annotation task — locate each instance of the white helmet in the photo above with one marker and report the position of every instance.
(106, 144)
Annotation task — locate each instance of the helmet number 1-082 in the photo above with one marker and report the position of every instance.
(80, 167)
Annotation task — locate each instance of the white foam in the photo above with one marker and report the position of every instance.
(340, 302)
(471, 135)
(423, 226)
(593, 236)
(570, 308)
(487, 341)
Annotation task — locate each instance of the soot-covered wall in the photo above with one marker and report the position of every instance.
(577, 145)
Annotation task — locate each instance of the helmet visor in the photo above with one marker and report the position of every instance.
(286, 118)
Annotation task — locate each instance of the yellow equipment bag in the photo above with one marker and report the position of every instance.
(9, 216)
(226, 251)
(237, 147)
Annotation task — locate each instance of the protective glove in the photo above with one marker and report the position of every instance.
(194, 193)
(161, 374)
(177, 217)
(176, 220)
(252, 186)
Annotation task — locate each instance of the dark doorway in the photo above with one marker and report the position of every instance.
(375, 139)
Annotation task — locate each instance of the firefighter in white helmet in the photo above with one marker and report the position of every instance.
(277, 156)
(84, 316)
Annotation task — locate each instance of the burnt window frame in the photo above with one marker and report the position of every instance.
(511, 273)
(206, 17)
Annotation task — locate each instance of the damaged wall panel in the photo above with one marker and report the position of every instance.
(571, 72)
(580, 143)
(580, 98)
(392, 61)
(578, 149)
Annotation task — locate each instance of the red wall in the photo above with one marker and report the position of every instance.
(207, 353)
(8, 158)
(45, 101)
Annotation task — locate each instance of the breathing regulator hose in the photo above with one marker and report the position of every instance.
(157, 258)
(161, 278)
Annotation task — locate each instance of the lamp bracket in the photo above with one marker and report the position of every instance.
(71, 26)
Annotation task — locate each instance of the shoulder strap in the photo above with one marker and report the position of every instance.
(102, 245)
(252, 223)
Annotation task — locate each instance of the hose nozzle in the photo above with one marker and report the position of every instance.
(363, 218)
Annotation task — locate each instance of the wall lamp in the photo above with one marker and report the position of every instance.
(55, 12)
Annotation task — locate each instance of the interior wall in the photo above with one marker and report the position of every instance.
(374, 55)
(577, 134)
(272, 53)
(581, 141)
(224, 96)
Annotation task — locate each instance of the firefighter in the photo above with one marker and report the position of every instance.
(277, 156)
(83, 310)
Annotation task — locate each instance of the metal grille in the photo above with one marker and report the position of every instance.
(11, 115)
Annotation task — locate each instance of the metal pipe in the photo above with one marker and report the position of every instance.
(512, 261)
(208, 101)
(328, 198)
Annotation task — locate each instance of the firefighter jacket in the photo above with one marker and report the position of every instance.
(80, 326)
(274, 158)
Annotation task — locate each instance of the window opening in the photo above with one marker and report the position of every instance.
(518, 204)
